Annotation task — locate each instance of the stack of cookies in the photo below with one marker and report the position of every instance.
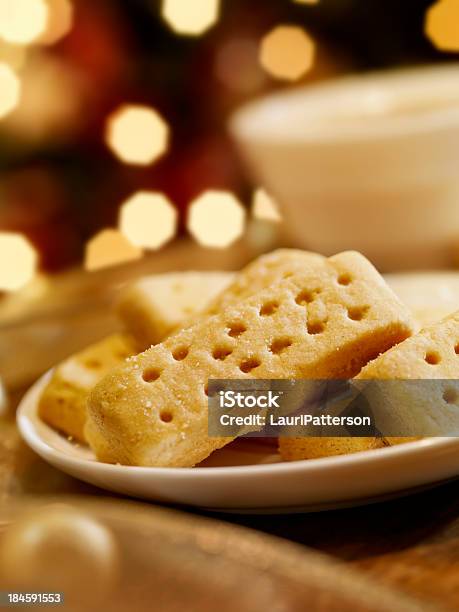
(288, 315)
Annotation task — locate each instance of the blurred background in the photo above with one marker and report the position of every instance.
(114, 140)
(74, 64)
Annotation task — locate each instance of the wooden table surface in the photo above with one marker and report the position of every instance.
(411, 543)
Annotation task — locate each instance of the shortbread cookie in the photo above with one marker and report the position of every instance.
(403, 403)
(323, 322)
(433, 353)
(294, 449)
(156, 305)
(63, 402)
(261, 274)
(309, 446)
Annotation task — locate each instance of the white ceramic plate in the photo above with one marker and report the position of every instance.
(247, 476)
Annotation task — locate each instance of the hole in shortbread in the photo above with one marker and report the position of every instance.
(236, 329)
(344, 279)
(249, 364)
(432, 358)
(269, 309)
(206, 390)
(221, 353)
(304, 297)
(151, 375)
(93, 364)
(456, 349)
(450, 395)
(279, 345)
(357, 313)
(166, 416)
(315, 328)
(180, 353)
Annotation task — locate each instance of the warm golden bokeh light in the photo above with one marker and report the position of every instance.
(22, 21)
(190, 17)
(109, 248)
(287, 52)
(19, 261)
(216, 219)
(137, 135)
(442, 25)
(265, 208)
(306, 1)
(148, 220)
(10, 90)
(59, 23)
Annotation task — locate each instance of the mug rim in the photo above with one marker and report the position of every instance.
(254, 120)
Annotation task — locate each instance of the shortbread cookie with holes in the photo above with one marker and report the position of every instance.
(63, 402)
(156, 305)
(323, 322)
(261, 274)
(416, 388)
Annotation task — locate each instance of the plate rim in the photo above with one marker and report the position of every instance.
(27, 409)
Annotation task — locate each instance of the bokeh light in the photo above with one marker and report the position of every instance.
(22, 21)
(109, 248)
(442, 25)
(148, 220)
(137, 135)
(287, 52)
(19, 261)
(190, 17)
(10, 90)
(306, 1)
(216, 219)
(265, 208)
(59, 23)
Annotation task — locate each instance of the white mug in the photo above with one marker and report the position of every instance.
(368, 162)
